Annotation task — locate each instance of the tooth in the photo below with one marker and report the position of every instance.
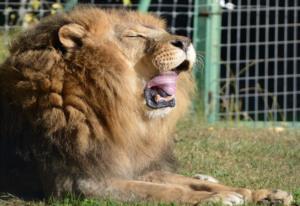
(158, 98)
(168, 98)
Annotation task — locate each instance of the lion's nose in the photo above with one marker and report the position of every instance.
(182, 43)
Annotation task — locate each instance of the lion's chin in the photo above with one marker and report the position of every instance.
(158, 113)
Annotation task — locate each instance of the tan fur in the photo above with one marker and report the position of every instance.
(76, 81)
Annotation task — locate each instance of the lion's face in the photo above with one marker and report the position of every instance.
(156, 56)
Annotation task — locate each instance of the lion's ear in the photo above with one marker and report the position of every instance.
(71, 35)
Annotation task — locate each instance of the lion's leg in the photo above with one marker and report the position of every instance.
(192, 183)
(263, 196)
(133, 190)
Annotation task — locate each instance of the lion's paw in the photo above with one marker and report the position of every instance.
(206, 178)
(273, 197)
(227, 198)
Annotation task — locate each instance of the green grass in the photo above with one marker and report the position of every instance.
(242, 157)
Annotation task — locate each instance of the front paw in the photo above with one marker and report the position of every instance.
(272, 197)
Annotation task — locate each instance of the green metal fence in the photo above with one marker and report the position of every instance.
(212, 15)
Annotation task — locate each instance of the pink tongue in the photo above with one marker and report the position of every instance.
(165, 81)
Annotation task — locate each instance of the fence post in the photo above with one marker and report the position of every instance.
(212, 63)
(199, 35)
(70, 4)
(144, 5)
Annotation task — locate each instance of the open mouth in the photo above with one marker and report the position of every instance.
(160, 90)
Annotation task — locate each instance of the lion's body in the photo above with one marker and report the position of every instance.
(88, 116)
(87, 106)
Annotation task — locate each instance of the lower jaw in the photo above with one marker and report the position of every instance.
(161, 105)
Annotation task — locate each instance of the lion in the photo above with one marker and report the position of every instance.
(88, 103)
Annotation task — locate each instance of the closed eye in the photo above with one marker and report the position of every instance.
(135, 36)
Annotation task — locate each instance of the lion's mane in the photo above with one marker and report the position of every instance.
(80, 114)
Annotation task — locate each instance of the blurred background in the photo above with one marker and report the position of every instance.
(248, 57)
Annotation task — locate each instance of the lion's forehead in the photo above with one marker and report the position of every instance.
(147, 20)
(92, 17)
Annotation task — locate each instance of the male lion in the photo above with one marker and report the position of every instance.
(89, 100)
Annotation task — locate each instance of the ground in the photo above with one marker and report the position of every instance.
(243, 157)
(238, 156)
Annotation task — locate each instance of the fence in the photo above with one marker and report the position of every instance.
(259, 79)
(252, 71)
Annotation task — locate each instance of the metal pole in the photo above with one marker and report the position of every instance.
(212, 64)
(199, 36)
(196, 31)
(144, 5)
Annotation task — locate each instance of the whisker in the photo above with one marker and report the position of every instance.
(200, 60)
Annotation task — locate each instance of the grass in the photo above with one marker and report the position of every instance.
(242, 157)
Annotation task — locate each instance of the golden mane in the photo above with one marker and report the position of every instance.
(84, 106)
